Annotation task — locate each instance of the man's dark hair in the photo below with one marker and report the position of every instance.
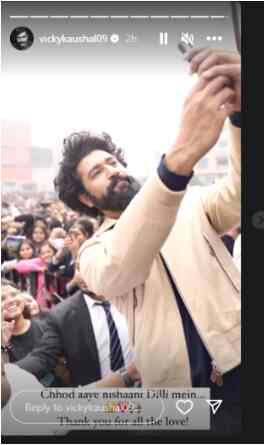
(76, 147)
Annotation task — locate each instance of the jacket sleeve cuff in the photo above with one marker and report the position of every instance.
(173, 182)
(235, 119)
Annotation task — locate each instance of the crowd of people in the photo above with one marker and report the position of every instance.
(38, 255)
(38, 251)
(114, 280)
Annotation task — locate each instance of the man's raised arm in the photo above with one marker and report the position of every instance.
(222, 202)
(115, 262)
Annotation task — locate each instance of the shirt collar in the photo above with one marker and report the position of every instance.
(90, 301)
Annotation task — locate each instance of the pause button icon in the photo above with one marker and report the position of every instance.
(163, 38)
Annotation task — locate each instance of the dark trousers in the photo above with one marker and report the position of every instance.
(227, 419)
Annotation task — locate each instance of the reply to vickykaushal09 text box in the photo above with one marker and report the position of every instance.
(113, 408)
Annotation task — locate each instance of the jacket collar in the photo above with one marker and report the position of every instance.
(107, 224)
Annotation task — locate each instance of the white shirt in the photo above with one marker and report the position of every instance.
(101, 331)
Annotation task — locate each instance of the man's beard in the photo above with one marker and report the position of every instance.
(117, 200)
(22, 44)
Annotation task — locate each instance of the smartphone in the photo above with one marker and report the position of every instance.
(184, 47)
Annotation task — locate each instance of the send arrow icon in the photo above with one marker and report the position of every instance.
(214, 405)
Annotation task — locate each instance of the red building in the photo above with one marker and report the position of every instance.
(24, 167)
(16, 155)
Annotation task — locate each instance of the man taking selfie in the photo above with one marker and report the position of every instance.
(158, 255)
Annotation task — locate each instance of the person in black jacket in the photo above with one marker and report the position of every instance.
(78, 233)
(69, 331)
(20, 333)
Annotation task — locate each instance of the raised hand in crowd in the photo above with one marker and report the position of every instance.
(72, 242)
(57, 233)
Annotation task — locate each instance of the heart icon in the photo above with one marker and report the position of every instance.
(184, 406)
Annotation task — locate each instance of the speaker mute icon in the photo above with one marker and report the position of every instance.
(163, 38)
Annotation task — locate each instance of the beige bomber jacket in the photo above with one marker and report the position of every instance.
(122, 263)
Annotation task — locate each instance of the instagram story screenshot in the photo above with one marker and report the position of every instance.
(121, 220)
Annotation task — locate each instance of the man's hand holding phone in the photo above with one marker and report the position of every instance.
(211, 63)
(202, 120)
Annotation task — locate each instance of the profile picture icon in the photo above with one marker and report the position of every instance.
(21, 38)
